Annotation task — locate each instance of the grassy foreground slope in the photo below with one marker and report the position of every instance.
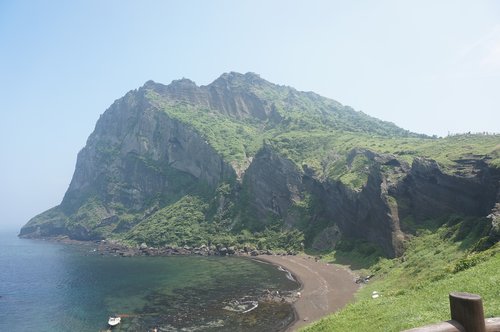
(414, 288)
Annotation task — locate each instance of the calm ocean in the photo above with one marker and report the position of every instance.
(48, 286)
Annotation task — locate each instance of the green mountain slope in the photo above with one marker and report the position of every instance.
(265, 159)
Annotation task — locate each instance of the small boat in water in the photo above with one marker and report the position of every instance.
(241, 306)
(114, 320)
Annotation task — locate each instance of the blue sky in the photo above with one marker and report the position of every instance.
(429, 66)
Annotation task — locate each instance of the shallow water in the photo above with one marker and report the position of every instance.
(47, 286)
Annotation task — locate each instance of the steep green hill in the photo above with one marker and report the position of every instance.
(256, 160)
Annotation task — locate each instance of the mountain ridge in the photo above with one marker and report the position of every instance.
(288, 160)
(249, 85)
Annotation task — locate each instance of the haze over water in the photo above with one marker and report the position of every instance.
(48, 286)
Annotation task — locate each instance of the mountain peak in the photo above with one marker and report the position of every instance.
(269, 151)
(233, 79)
(183, 82)
(150, 84)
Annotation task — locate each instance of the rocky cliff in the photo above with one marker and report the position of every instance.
(260, 155)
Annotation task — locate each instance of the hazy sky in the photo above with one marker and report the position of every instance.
(429, 66)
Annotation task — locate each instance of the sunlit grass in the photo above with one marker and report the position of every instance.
(414, 289)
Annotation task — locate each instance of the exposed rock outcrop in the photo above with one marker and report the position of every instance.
(145, 154)
(429, 193)
(126, 159)
(274, 184)
(136, 159)
(229, 95)
(372, 213)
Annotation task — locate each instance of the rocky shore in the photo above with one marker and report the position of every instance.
(116, 248)
(323, 288)
(111, 247)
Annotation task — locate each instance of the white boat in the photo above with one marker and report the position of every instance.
(241, 306)
(113, 321)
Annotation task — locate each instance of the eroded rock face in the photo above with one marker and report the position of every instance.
(367, 213)
(393, 191)
(136, 154)
(494, 217)
(429, 193)
(126, 159)
(227, 94)
(50, 223)
(274, 184)
(139, 159)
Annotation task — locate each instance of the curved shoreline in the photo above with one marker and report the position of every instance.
(324, 288)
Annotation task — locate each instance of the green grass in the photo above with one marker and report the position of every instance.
(187, 222)
(320, 133)
(181, 223)
(358, 255)
(414, 288)
(326, 151)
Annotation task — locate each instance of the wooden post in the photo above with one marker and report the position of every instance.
(467, 309)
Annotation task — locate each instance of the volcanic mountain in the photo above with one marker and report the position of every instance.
(243, 161)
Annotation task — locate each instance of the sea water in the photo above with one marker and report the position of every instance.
(46, 286)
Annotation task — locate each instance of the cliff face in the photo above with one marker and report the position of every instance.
(274, 154)
(229, 95)
(428, 193)
(278, 186)
(394, 191)
(274, 184)
(128, 158)
(136, 160)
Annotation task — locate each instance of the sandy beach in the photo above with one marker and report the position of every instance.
(326, 288)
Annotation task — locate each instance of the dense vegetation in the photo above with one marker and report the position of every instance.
(136, 187)
(414, 288)
(320, 133)
(331, 142)
(314, 132)
(326, 152)
(316, 126)
(184, 223)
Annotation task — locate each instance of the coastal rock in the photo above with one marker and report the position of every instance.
(159, 144)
